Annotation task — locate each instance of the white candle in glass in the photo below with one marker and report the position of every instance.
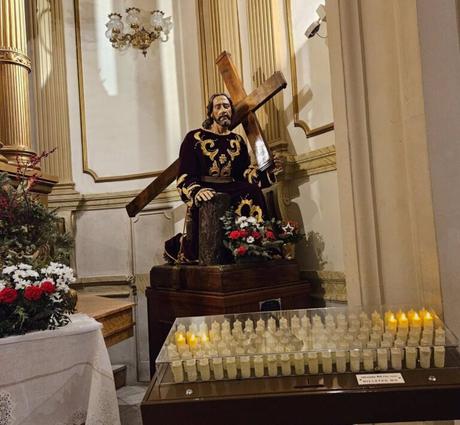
(425, 357)
(295, 321)
(305, 322)
(203, 368)
(355, 358)
(341, 361)
(440, 334)
(313, 367)
(411, 357)
(396, 358)
(272, 365)
(439, 356)
(178, 371)
(218, 368)
(225, 326)
(245, 366)
(230, 363)
(283, 323)
(368, 360)
(203, 329)
(248, 326)
(299, 364)
(186, 355)
(285, 361)
(271, 325)
(326, 361)
(258, 366)
(190, 370)
(382, 358)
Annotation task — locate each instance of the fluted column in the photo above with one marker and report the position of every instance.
(50, 89)
(219, 30)
(264, 61)
(14, 82)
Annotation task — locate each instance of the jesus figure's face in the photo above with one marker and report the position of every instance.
(222, 111)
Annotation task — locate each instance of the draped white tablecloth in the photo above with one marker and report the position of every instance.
(60, 377)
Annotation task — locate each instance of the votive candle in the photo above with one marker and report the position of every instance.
(411, 357)
(230, 363)
(218, 368)
(299, 364)
(341, 361)
(190, 369)
(425, 357)
(439, 356)
(396, 358)
(355, 359)
(312, 357)
(258, 366)
(178, 371)
(382, 358)
(203, 368)
(272, 365)
(245, 366)
(326, 360)
(368, 360)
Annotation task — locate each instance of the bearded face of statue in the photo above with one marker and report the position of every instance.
(222, 111)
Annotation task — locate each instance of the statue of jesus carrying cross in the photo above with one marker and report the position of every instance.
(214, 159)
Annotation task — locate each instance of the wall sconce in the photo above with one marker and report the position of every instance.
(138, 35)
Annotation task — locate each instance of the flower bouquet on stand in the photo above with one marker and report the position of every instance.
(250, 240)
(34, 257)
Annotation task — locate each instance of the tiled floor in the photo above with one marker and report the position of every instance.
(129, 399)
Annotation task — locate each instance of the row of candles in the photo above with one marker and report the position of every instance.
(349, 339)
(271, 365)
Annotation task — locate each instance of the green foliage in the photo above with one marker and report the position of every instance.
(29, 232)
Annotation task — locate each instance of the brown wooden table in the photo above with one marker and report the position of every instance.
(337, 399)
(115, 315)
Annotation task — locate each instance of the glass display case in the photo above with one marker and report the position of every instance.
(304, 342)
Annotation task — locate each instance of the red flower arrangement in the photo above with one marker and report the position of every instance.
(248, 237)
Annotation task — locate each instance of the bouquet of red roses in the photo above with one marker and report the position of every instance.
(248, 237)
(34, 300)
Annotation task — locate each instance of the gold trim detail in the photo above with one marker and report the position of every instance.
(234, 149)
(8, 55)
(309, 132)
(81, 95)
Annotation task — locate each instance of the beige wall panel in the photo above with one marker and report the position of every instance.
(136, 109)
(150, 230)
(103, 243)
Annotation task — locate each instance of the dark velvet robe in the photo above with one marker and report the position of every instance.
(206, 155)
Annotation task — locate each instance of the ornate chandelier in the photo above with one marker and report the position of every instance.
(138, 35)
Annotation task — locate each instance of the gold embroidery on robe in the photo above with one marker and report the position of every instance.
(223, 158)
(187, 191)
(248, 209)
(204, 146)
(181, 179)
(226, 170)
(234, 149)
(214, 170)
(250, 174)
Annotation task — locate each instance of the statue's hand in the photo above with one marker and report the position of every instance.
(280, 162)
(205, 194)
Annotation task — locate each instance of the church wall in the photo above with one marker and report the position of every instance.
(128, 115)
(313, 193)
(439, 39)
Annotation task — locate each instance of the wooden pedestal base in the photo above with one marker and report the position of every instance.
(182, 291)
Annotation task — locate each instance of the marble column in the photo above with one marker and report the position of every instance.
(386, 205)
(15, 66)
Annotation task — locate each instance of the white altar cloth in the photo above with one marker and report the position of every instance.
(59, 377)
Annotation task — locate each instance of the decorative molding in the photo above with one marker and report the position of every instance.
(9, 55)
(309, 132)
(317, 161)
(332, 284)
(81, 94)
(112, 200)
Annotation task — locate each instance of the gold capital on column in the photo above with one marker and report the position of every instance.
(14, 83)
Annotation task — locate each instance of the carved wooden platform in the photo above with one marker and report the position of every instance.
(182, 291)
(115, 315)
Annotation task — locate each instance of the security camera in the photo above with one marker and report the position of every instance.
(313, 29)
(316, 25)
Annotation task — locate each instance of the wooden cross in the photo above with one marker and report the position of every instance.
(245, 107)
